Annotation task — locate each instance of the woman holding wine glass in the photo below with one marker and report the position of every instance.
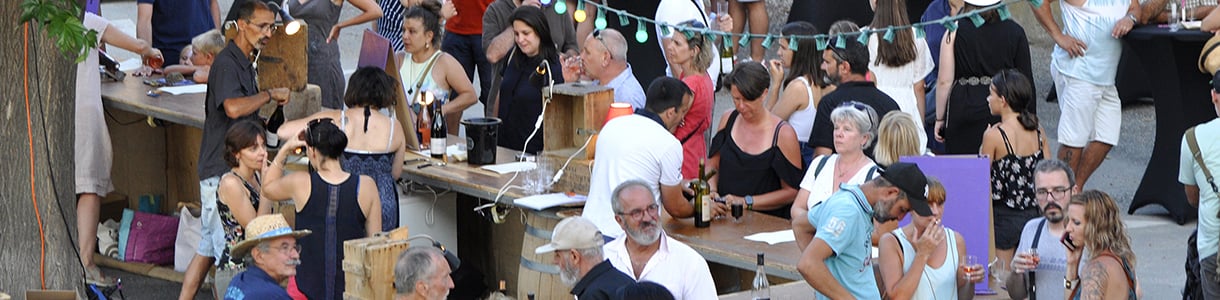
(923, 260)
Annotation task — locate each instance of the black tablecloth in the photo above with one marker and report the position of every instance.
(1182, 99)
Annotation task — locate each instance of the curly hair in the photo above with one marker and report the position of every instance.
(1104, 231)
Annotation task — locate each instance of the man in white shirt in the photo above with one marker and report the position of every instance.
(646, 253)
(1054, 185)
(1202, 193)
(603, 59)
(641, 147)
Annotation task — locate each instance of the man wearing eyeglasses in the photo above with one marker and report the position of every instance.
(646, 253)
(846, 67)
(1054, 185)
(232, 96)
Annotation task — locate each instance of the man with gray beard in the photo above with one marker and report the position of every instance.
(577, 246)
(646, 253)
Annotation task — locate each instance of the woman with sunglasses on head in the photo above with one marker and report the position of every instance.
(692, 52)
(338, 205)
(238, 197)
(901, 62)
(921, 260)
(519, 103)
(798, 102)
(969, 56)
(1109, 272)
(424, 67)
(855, 128)
(376, 142)
(755, 152)
(1015, 146)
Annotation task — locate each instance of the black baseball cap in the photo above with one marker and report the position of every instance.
(908, 178)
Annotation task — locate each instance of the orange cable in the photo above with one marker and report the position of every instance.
(29, 132)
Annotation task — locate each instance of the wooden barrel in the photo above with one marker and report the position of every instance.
(538, 273)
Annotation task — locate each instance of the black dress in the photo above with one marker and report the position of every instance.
(743, 174)
(981, 52)
(823, 13)
(333, 214)
(647, 61)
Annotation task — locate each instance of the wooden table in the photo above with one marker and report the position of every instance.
(131, 95)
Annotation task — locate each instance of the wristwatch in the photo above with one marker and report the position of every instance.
(750, 202)
(1134, 20)
(1068, 284)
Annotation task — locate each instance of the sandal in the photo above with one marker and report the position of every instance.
(93, 275)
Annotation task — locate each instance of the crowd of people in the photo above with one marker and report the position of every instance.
(814, 137)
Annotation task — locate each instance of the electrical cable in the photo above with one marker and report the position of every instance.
(29, 132)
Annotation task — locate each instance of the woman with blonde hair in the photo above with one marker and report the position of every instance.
(897, 136)
(691, 53)
(1094, 225)
(922, 260)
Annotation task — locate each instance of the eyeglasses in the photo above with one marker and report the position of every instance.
(639, 213)
(271, 27)
(285, 248)
(1056, 192)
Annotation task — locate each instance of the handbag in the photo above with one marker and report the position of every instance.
(1209, 59)
(187, 240)
(147, 238)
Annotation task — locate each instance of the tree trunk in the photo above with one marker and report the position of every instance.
(40, 135)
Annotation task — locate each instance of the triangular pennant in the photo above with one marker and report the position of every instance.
(822, 42)
(889, 35)
(840, 41)
(1004, 13)
(792, 43)
(767, 42)
(745, 40)
(863, 38)
(622, 19)
(977, 19)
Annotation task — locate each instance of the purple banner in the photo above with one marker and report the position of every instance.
(967, 181)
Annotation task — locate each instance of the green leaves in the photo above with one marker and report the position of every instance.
(58, 18)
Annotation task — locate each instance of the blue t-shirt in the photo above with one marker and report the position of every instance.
(255, 284)
(176, 22)
(844, 221)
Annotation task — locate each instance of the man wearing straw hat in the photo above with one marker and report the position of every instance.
(274, 253)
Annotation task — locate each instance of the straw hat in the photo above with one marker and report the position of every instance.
(264, 228)
(983, 3)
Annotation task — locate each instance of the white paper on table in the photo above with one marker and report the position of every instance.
(545, 201)
(511, 167)
(774, 237)
(131, 64)
(185, 89)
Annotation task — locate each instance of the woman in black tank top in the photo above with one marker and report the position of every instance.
(336, 205)
(756, 152)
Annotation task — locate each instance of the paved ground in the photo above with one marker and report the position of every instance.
(1159, 243)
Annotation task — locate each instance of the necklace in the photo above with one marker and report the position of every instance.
(416, 75)
(843, 169)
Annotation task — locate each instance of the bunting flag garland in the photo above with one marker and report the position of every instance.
(641, 35)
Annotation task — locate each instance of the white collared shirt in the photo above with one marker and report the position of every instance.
(675, 266)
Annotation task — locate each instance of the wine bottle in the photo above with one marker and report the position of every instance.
(273, 125)
(726, 64)
(438, 131)
(703, 199)
(762, 288)
(423, 129)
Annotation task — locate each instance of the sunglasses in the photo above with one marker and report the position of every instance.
(308, 136)
(864, 108)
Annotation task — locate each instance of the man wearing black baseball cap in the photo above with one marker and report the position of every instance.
(838, 261)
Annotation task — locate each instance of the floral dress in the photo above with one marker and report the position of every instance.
(1012, 176)
(233, 232)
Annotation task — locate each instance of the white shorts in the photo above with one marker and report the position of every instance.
(211, 233)
(1088, 112)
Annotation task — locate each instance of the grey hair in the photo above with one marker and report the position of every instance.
(591, 253)
(264, 246)
(1051, 165)
(615, 43)
(616, 200)
(414, 265)
(865, 120)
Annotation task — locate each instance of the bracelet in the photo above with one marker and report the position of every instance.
(269, 98)
(1069, 284)
(940, 120)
